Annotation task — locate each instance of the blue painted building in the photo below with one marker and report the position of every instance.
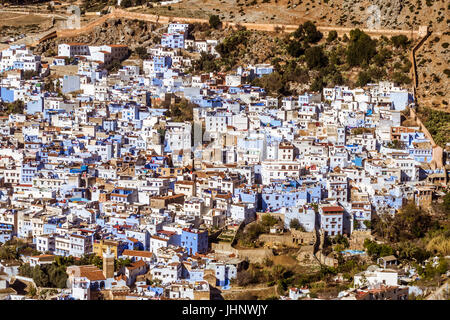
(161, 63)
(194, 241)
(28, 171)
(173, 40)
(34, 106)
(285, 196)
(6, 94)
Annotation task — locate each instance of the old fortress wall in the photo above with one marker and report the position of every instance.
(120, 13)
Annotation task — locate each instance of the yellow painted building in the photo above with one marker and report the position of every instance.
(101, 246)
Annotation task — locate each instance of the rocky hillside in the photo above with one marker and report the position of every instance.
(115, 31)
(434, 72)
(392, 14)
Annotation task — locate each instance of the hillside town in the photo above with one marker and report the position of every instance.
(141, 180)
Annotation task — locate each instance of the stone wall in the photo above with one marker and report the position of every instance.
(253, 255)
(267, 27)
(308, 238)
(357, 238)
(328, 261)
(277, 239)
(223, 248)
(438, 152)
(292, 239)
(306, 255)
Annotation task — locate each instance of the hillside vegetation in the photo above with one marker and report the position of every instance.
(306, 60)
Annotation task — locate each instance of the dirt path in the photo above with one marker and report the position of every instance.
(267, 27)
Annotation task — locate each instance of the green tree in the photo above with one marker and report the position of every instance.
(272, 83)
(383, 226)
(295, 48)
(317, 85)
(13, 107)
(214, 21)
(382, 56)
(332, 35)
(206, 63)
(446, 202)
(8, 253)
(411, 223)
(232, 44)
(410, 251)
(308, 32)
(120, 263)
(400, 41)
(376, 250)
(142, 53)
(360, 49)
(26, 270)
(316, 58)
(268, 220)
(401, 78)
(40, 277)
(126, 3)
(181, 111)
(295, 224)
(363, 78)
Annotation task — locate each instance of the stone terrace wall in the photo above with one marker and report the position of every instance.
(253, 255)
(272, 239)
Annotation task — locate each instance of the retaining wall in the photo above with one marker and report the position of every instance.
(267, 27)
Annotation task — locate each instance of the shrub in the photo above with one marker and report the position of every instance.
(142, 53)
(401, 78)
(295, 49)
(272, 83)
(12, 108)
(317, 85)
(363, 78)
(308, 32)
(376, 250)
(411, 222)
(295, 224)
(400, 41)
(381, 57)
(206, 63)
(437, 124)
(230, 45)
(182, 111)
(126, 3)
(268, 220)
